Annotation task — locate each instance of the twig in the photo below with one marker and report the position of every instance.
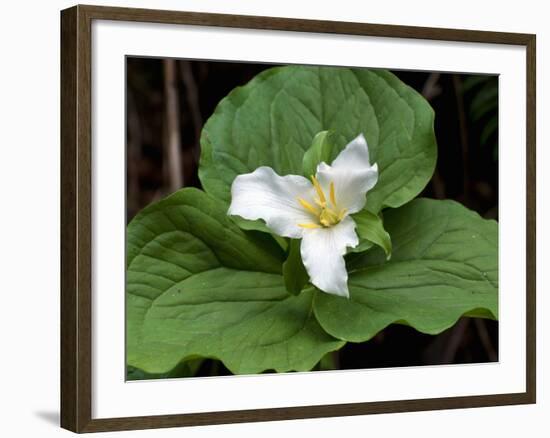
(173, 148)
(438, 185)
(431, 87)
(430, 90)
(486, 340)
(133, 151)
(192, 97)
(455, 340)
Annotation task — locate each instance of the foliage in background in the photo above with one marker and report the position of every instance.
(483, 108)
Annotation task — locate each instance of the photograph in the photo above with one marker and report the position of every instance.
(267, 218)
(306, 218)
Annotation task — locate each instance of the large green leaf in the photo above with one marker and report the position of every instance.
(273, 119)
(198, 286)
(183, 369)
(444, 265)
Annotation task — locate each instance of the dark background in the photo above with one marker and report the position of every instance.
(169, 100)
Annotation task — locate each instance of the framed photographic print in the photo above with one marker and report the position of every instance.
(268, 218)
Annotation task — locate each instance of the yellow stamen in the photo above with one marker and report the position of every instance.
(319, 190)
(328, 217)
(310, 225)
(342, 214)
(308, 206)
(332, 195)
(320, 204)
(325, 215)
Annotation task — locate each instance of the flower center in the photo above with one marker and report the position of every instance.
(327, 212)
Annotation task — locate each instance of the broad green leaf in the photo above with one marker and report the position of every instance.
(444, 265)
(321, 150)
(249, 225)
(258, 225)
(183, 369)
(198, 286)
(190, 231)
(369, 227)
(294, 272)
(273, 120)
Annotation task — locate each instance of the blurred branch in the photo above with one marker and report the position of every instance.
(455, 340)
(133, 136)
(438, 185)
(173, 146)
(485, 339)
(430, 90)
(431, 87)
(192, 96)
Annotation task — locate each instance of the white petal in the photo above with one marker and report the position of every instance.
(352, 175)
(323, 251)
(354, 156)
(265, 195)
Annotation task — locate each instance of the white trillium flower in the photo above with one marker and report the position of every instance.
(316, 211)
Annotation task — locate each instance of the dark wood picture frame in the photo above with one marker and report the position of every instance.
(76, 201)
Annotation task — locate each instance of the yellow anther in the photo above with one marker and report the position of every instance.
(320, 204)
(327, 216)
(332, 194)
(308, 206)
(319, 190)
(309, 225)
